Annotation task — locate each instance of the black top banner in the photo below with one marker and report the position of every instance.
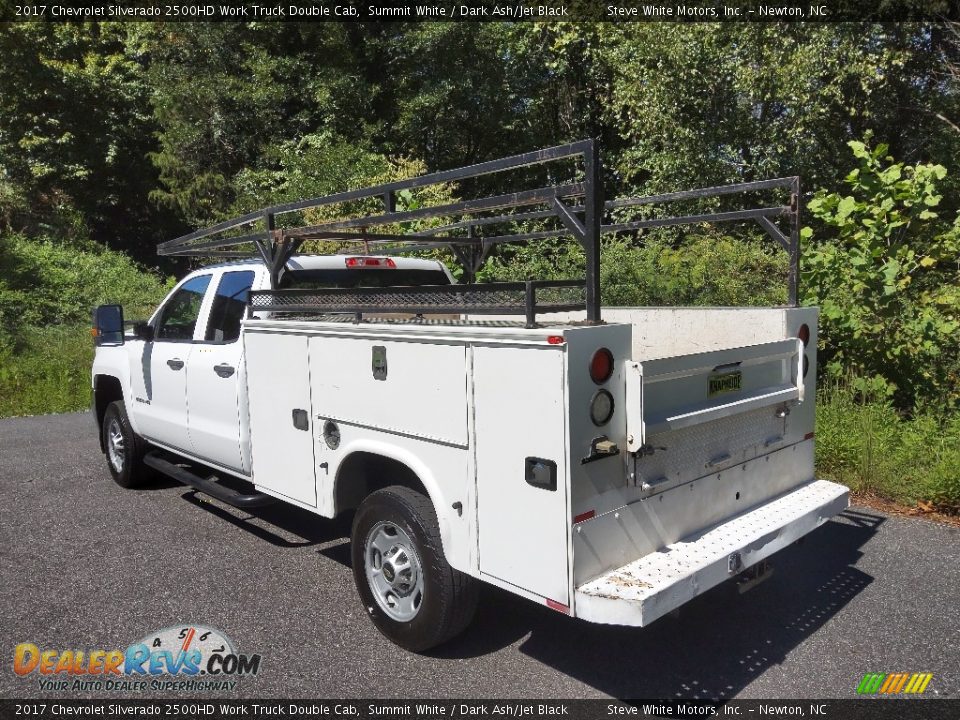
(613, 11)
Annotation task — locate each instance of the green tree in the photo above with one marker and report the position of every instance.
(320, 164)
(459, 93)
(704, 103)
(224, 94)
(75, 128)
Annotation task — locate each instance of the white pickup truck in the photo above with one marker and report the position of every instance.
(610, 468)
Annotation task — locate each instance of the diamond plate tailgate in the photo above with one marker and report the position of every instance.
(642, 591)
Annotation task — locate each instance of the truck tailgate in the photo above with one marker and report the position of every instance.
(679, 392)
(647, 588)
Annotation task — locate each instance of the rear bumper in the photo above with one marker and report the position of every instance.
(648, 588)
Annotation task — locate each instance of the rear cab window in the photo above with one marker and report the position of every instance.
(348, 278)
(228, 306)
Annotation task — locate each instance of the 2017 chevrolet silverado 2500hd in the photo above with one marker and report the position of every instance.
(611, 464)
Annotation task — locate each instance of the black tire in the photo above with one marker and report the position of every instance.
(131, 472)
(449, 597)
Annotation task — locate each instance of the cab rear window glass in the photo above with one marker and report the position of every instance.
(361, 277)
(229, 306)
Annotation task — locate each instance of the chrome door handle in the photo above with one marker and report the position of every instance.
(175, 364)
(223, 370)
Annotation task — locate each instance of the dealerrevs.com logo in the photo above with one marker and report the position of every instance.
(183, 657)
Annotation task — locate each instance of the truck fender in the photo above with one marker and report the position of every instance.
(113, 363)
(453, 529)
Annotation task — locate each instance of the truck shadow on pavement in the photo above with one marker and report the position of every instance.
(719, 643)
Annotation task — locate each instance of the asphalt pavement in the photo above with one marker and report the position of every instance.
(85, 564)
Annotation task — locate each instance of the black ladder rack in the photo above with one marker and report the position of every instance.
(574, 200)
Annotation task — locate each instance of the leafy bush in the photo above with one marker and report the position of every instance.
(702, 270)
(884, 272)
(43, 283)
(320, 164)
(47, 292)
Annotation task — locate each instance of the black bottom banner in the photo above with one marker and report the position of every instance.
(395, 709)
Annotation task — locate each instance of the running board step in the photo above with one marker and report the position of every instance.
(206, 485)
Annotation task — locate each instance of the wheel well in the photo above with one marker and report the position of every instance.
(106, 389)
(363, 473)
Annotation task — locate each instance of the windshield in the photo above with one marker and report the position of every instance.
(361, 277)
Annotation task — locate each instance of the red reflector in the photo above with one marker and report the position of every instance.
(808, 436)
(555, 340)
(601, 366)
(354, 262)
(559, 607)
(583, 516)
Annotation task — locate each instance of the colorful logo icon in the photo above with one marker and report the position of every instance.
(184, 650)
(894, 683)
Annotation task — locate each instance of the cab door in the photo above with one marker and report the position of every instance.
(159, 375)
(215, 376)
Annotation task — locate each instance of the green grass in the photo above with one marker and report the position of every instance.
(45, 370)
(869, 446)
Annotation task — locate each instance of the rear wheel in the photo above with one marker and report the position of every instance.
(409, 590)
(124, 449)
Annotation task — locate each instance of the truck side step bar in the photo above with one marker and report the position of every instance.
(206, 485)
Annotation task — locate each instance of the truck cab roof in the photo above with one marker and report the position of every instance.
(336, 262)
(357, 270)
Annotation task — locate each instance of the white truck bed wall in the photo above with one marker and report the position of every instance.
(666, 332)
(475, 412)
(697, 475)
(282, 456)
(520, 415)
(660, 332)
(439, 385)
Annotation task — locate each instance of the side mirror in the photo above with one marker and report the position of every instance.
(143, 331)
(108, 325)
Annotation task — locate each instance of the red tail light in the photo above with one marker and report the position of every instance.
(804, 334)
(356, 262)
(601, 366)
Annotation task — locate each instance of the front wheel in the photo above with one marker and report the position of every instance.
(123, 447)
(409, 590)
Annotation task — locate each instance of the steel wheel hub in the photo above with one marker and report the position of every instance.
(393, 571)
(115, 446)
